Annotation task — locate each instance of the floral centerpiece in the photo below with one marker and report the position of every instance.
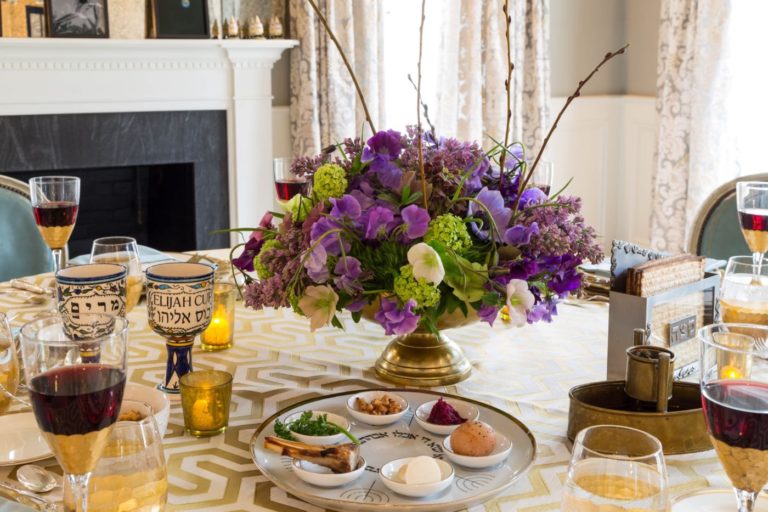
(407, 229)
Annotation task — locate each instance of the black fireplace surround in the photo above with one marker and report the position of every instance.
(160, 177)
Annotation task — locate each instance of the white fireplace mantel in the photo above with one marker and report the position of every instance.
(71, 76)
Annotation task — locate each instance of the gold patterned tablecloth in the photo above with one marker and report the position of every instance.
(277, 361)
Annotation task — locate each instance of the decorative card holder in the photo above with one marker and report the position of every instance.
(670, 319)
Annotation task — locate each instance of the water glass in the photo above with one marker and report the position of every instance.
(205, 397)
(122, 250)
(287, 184)
(131, 473)
(616, 468)
(543, 176)
(9, 365)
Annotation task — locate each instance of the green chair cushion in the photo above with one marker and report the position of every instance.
(721, 235)
(22, 250)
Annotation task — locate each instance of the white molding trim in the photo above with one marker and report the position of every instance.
(72, 76)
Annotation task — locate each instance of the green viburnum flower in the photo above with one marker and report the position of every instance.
(329, 181)
(422, 291)
(258, 265)
(299, 206)
(450, 231)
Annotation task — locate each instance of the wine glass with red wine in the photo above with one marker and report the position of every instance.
(54, 202)
(734, 392)
(752, 203)
(76, 388)
(287, 183)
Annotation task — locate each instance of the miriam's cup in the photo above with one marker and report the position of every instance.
(94, 289)
(179, 301)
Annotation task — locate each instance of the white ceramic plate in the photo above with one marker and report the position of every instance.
(373, 419)
(324, 477)
(21, 441)
(390, 470)
(500, 452)
(714, 500)
(404, 438)
(339, 420)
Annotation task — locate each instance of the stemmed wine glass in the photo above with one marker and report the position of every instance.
(734, 389)
(616, 468)
(54, 202)
(752, 203)
(122, 250)
(287, 184)
(76, 399)
(744, 292)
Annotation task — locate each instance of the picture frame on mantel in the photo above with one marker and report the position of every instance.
(180, 19)
(74, 18)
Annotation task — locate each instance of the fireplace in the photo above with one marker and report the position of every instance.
(160, 177)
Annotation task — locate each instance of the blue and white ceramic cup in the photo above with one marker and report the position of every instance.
(179, 305)
(85, 290)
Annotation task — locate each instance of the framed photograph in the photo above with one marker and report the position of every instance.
(180, 19)
(14, 17)
(77, 18)
(35, 21)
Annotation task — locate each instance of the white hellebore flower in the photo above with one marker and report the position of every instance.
(426, 263)
(519, 301)
(319, 304)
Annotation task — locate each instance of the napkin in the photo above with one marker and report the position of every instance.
(146, 255)
(12, 506)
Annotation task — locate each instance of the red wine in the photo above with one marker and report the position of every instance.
(544, 188)
(737, 412)
(77, 399)
(56, 214)
(288, 189)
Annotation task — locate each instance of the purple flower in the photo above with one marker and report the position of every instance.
(480, 169)
(348, 269)
(542, 311)
(253, 246)
(514, 157)
(397, 321)
(381, 151)
(520, 234)
(376, 220)
(564, 281)
(533, 195)
(493, 203)
(356, 305)
(317, 264)
(347, 206)
(362, 190)
(488, 314)
(416, 220)
(332, 242)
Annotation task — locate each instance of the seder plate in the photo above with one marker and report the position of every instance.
(404, 438)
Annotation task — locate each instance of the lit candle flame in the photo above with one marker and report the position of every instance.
(730, 372)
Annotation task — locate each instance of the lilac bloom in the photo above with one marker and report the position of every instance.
(381, 151)
(331, 242)
(377, 220)
(397, 321)
(317, 264)
(520, 234)
(493, 203)
(533, 195)
(416, 221)
(488, 314)
(347, 206)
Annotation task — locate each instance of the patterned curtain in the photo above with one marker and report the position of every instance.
(697, 145)
(324, 108)
(472, 98)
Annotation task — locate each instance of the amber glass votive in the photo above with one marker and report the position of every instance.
(220, 332)
(205, 397)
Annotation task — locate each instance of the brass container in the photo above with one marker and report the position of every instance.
(422, 358)
(649, 375)
(681, 429)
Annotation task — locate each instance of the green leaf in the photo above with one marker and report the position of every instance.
(463, 308)
(451, 303)
(469, 285)
(490, 299)
(337, 323)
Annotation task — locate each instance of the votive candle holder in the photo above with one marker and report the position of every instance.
(220, 332)
(205, 399)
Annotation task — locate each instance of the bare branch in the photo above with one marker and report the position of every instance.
(419, 142)
(423, 106)
(346, 63)
(508, 87)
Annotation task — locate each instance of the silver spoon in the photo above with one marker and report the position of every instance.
(36, 479)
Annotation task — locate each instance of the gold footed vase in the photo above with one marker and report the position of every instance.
(423, 358)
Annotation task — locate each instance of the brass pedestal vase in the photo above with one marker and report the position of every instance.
(422, 358)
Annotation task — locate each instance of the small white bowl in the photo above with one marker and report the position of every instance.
(465, 410)
(388, 475)
(500, 452)
(322, 476)
(373, 419)
(319, 440)
(157, 400)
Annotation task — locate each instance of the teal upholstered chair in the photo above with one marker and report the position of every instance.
(22, 250)
(716, 232)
